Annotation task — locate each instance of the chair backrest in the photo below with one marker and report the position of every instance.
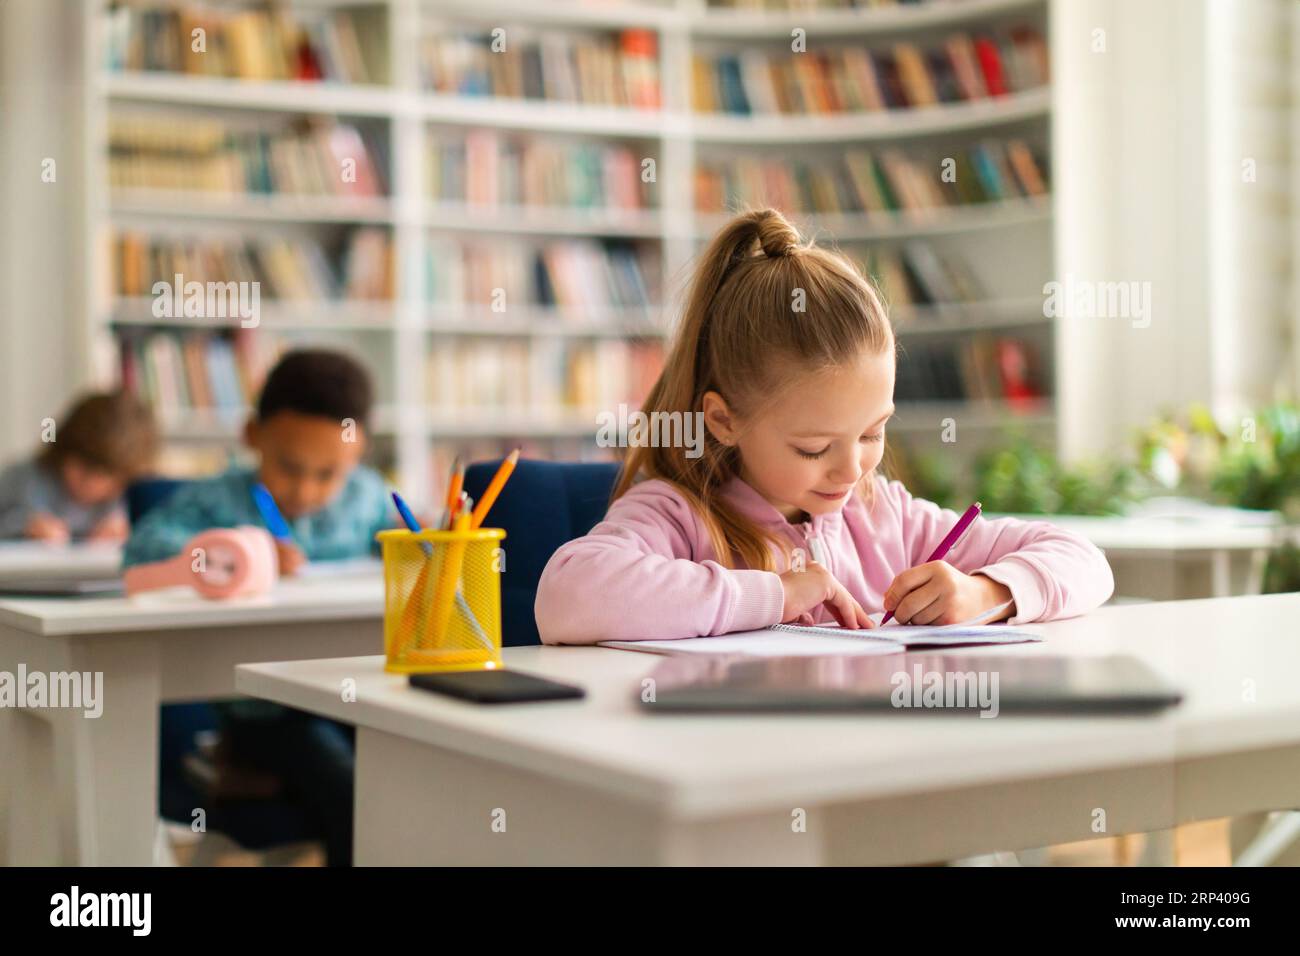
(543, 505)
(146, 493)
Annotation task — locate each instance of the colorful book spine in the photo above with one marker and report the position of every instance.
(196, 372)
(539, 380)
(584, 279)
(486, 168)
(979, 368)
(842, 78)
(598, 69)
(341, 46)
(176, 152)
(284, 268)
(867, 183)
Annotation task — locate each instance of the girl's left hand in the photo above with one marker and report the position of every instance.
(937, 593)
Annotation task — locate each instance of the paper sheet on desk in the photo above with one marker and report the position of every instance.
(789, 640)
(346, 568)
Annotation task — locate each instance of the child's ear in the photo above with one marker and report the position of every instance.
(252, 433)
(718, 418)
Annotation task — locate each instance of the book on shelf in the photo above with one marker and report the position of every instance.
(540, 379)
(979, 368)
(301, 157)
(600, 376)
(487, 168)
(964, 67)
(203, 372)
(919, 274)
(582, 278)
(602, 69)
(278, 44)
(285, 268)
(864, 182)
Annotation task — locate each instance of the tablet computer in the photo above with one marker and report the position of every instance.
(911, 684)
(60, 587)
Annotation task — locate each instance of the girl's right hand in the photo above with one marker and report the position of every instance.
(814, 586)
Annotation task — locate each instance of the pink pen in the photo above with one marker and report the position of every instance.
(946, 544)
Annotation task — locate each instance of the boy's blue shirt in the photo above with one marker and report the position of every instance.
(345, 528)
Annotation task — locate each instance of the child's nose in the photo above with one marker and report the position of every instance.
(299, 494)
(846, 471)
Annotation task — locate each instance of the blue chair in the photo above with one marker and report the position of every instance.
(147, 493)
(543, 505)
(253, 824)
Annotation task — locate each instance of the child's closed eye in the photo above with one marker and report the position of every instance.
(879, 436)
(812, 454)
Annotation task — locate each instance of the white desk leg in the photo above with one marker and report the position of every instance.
(1280, 833)
(419, 805)
(106, 768)
(26, 789)
(1255, 574)
(1221, 573)
(1158, 849)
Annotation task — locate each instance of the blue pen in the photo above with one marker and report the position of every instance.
(266, 506)
(408, 518)
(412, 525)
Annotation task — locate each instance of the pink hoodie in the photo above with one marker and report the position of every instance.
(648, 570)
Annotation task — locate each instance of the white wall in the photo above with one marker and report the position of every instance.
(43, 256)
(1130, 164)
(1253, 246)
(1148, 148)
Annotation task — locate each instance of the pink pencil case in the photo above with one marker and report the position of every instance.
(219, 563)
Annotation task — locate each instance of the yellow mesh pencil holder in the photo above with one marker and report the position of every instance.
(442, 600)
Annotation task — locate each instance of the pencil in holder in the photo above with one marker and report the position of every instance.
(442, 600)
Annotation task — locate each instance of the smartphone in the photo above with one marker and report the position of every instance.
(496, 686)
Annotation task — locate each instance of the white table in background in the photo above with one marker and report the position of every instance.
(80, 790)
(26, 560)
(602, 781)
(1172, 549)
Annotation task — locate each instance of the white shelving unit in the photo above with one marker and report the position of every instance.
(409, 113)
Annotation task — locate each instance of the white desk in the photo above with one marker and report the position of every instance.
(25, 560)
(1171, 549)
(600, 781)
(85, 791)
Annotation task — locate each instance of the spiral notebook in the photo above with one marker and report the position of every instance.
(793, 640)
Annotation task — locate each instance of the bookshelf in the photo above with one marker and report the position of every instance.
(405, 337)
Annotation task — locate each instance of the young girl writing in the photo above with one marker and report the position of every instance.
(73, 488)
(788, 354)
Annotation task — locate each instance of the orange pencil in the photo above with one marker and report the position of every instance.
(463, 503)
(453, 492)
(494, 488)
(444, 594)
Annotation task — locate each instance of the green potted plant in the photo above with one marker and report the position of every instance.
(1259, 467)
(1254, 465)
(1020, 477)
